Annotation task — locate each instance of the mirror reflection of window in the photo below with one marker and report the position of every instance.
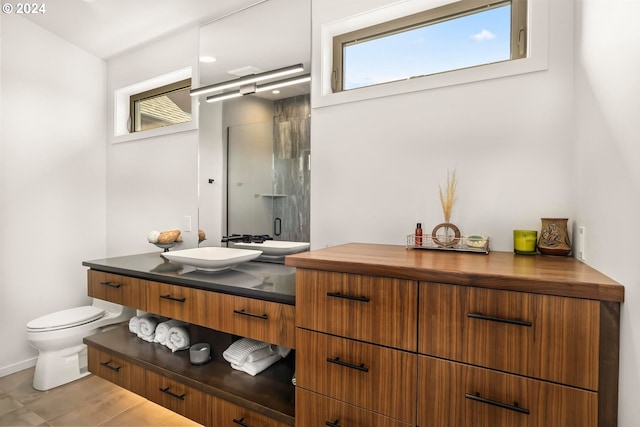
(164, 106)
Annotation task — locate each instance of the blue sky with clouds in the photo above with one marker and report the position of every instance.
(480, 38)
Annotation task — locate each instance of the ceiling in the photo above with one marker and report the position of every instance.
(106, 28)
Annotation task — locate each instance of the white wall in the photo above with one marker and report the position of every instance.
(376, 164)
(52, 179)
(152, 182)
(607, 155)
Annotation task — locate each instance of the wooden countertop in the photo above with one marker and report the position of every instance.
(550, 275)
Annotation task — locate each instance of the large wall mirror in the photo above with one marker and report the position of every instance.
(254, 153)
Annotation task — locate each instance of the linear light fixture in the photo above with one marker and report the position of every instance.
(269, 86)
(251, 78)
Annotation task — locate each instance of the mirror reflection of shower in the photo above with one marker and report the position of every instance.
(268, 174)
(237, 53)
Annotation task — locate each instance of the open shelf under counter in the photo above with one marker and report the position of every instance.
(270, 393)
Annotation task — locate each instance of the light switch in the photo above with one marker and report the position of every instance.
(186, 223)
(580, 243)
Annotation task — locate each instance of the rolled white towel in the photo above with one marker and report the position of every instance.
(134, 325)
(254, 368)
(147, 327)
(238, 352)
(293, 380)
(178, 338)
(162, 330)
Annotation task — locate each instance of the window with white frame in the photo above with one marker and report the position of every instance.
(159, 107)
(459, 35)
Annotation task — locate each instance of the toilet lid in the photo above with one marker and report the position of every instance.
(66, 318)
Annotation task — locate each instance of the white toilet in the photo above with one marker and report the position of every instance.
(58, 337)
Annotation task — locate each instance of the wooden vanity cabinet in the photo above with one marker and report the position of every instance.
(213, 394)
(261, 320)
(313, 409)
(454, 339)
(116, 288)
(353, 335)
(228, 414)
(540, 336)
(456, 394)
(117, 370)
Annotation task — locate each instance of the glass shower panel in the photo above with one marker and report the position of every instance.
(250, 179)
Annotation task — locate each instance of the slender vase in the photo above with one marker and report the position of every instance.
(554, 238)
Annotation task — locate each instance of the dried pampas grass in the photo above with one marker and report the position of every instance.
(448, 197)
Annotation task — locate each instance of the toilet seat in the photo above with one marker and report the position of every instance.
(65, 319)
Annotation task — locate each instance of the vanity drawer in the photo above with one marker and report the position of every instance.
(123, 290)
(177, 302)
(455, 394)
(261, 320)
(374, 309)
(313, 409)
(547, 337)
(117, 370)
(227, 414)
(377, 378)
(178, 397)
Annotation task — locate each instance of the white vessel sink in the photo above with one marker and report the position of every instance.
(212, 258)
(274, 247)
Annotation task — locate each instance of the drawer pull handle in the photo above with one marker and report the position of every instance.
(111, 285)
(332, 424)
(337, 361)
(177, 396)
(499, 319)
(246, 313)
(241, 422)
(513, 407)
(169, 297)
(113, 368)
(349, 297)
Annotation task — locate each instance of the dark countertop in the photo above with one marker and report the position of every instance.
(254, 279)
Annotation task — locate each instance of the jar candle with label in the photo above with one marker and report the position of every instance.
(524, 241)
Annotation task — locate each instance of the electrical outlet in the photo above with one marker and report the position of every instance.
(186, 223)
(580, 243)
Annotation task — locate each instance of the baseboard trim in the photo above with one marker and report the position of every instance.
(17, 367)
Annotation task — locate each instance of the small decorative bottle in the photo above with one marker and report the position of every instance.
(419, 234)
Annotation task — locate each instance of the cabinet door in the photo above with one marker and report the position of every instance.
(313, 409)
(541, 336)
(117, 370)
(118, 289)
(374, 309)
(227, 414)
(454, 394)
(177, 302)
(178, 397)
(266, 321)
(377, 378)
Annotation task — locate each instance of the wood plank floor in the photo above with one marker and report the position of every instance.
(90, 401)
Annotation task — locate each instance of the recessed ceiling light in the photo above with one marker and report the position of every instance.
(275, 92)
(207, 59)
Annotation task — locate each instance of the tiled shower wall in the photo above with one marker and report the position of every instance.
(292, 151)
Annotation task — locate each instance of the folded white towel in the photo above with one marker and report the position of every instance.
(162, 330)
(238, 352)
(178, 338)
(260, 354)
(282, 351)
(254, 368)
(147, 327)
